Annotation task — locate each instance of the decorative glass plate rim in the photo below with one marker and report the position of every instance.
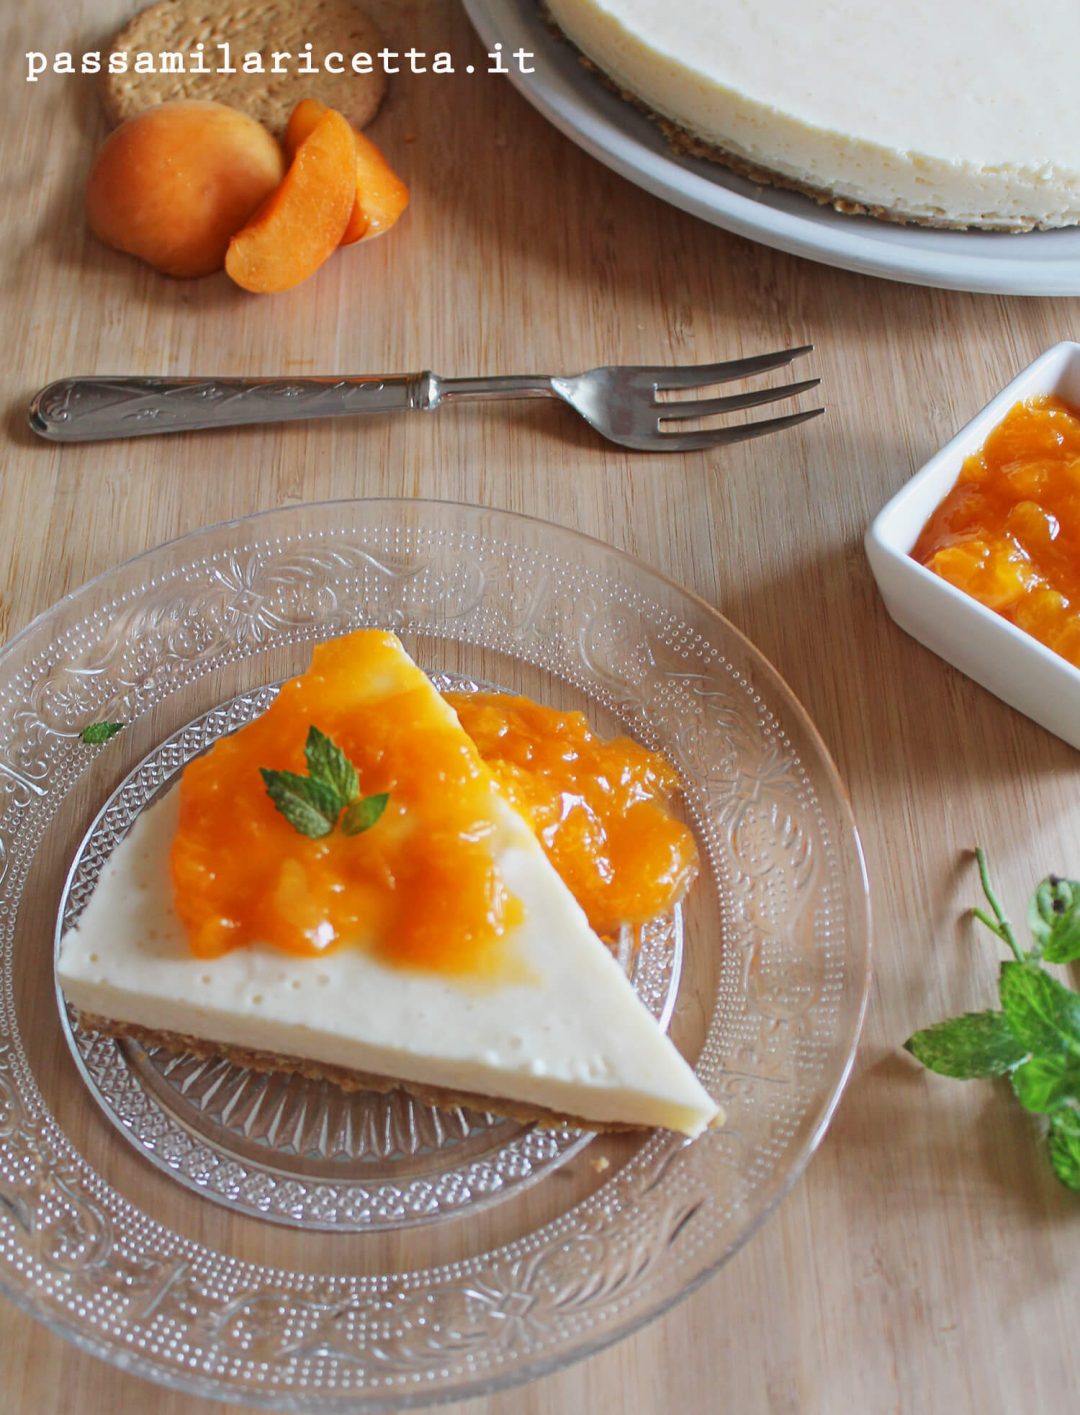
(614, 131)
(818, 1117)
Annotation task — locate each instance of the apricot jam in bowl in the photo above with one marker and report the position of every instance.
(978, 555)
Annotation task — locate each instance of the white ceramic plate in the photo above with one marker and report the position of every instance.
(1011, 664)
(597, 119)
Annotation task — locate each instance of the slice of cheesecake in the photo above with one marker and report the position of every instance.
(536, 1021)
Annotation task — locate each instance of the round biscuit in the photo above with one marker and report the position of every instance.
(176, 26)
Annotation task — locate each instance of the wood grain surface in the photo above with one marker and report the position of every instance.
(923, 1263)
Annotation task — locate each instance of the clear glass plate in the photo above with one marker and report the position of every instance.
(399, 1310)
(297, 1151)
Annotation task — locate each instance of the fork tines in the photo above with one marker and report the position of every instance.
(665, 380)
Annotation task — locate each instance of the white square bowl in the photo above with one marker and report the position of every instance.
(1010, 663)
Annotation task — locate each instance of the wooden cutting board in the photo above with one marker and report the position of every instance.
(923, 1263)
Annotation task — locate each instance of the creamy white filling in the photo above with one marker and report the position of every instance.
(566, 1030)
(958, 113)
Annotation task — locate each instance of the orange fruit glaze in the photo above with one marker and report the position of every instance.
(422, 886)
(1009, 531)
(598, 807)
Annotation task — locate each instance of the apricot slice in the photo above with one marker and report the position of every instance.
(381, 192)
(175, 183)
(381, 195)
(302, 122)
(301, 224)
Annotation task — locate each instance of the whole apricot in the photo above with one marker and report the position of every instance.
(175, 183)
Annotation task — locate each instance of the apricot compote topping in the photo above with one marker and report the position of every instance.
(599, 808)
(1009, 531)
(422, 885)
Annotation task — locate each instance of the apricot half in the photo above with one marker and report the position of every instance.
(175, 183)
(301, 224)
(381, 195)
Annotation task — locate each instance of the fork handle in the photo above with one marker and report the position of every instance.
(95, 409)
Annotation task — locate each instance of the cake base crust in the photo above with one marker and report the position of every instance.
(685, 144)
(345, 1079)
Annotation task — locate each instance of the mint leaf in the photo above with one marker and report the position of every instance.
(313, 803)
(1043, 1014)
(977, 1044)
(363, 814)
(309, 805)
(326, 762)
(1064, 1144)
(1054, 919)
(96, 732)
(1042, 1083)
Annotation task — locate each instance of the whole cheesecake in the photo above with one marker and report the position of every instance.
(953, 113)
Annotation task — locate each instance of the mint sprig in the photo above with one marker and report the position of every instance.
(1035, 1038)
(313, 804)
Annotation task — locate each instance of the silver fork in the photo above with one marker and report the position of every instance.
(622, 402)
